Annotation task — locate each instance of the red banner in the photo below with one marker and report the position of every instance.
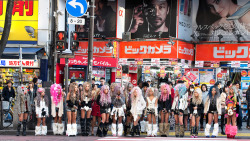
(100, 49)
(132, 68)
(185, 51)
(149, 49)
(97, 61)
(222, 52)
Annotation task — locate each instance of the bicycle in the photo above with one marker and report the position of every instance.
(7, 112)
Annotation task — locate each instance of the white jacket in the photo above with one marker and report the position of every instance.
(182, 102)
(138, 107)
(53, 108)
(39, 109)
(218, 105)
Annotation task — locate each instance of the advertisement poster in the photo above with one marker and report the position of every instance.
(210, 20)
(105, 20)
(206, 75)
(143, 21)
(147, 69)
(77, 74)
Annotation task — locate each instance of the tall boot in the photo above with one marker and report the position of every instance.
(69, 130)
(177, 130)
(88, 122)
(227, 130)
(83, 126)
(233, 132)
(132, 131)
(166, 129)
(137, 131)
(182, 130)
(196, 131)
(24, 127)
(100, 130)
(18, 128)
(161, 130)
(207, 130)
(128, 130)
(192, 132)
(105, 129)
(222, 129)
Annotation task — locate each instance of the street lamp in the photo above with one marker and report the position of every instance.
(30, 30)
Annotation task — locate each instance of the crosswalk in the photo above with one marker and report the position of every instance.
(161, 139)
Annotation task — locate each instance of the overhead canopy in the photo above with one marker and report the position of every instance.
(10, 50)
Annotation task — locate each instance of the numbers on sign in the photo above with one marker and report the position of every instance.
(71, 21)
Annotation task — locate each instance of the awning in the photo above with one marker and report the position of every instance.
(15, 50)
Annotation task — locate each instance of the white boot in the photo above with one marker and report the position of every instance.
(149, 131)
(216, 130)
(60, 128)
(207, 130)
(113, 129)
(155, 129)
(55, 128)
(142, 126)
(120, 129)
(69, 130)
(74, 129)
(44, 130)
(38, 130)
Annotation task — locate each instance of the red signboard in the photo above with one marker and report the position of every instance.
(249, 73)
(190, 76)
(244, 73)
(212, 81)
(219, 75)
(132, 68)
(150, 49)
(185, 51)
(100, 49)
(97, 61)
(222, 52)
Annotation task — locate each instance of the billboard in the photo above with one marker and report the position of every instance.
(24, 14)
(105, 20)
(210, 20)
(151, 18)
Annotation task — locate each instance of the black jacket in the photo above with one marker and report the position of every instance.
(248, 96)
(165, 104)
(105, 105)
(7, 94)
(200, 107)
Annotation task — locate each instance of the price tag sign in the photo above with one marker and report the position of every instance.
(76, 21)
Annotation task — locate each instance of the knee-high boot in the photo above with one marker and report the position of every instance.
(88, 121)
(196, 131)
(192, 132)
(161, 129)
(166, 129)
(83, 126)
(100, 130)
(177, 130)
(18, 128)
(105, 129)
(182, 130)
(24, 127)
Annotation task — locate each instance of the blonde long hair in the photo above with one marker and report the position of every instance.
(194, 99)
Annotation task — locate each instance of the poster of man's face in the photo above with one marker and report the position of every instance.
(151, 18)
(105, 20)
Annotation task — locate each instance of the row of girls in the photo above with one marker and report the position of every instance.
(126, 107)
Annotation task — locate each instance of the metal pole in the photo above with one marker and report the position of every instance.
(91, 34)
(21, 64)
(66, 75)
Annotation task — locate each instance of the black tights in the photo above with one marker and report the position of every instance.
(248, 120)
(222, 121)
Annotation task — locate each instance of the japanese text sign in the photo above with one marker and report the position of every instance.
(17, 63)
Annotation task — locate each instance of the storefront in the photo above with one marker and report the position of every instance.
(155, 59)
(10, 70)
(104, 63)
(229, 62)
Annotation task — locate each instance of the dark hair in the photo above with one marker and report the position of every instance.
(9, 81)
(217, 92)
(31, 82)
(237, 82)
(35, 80)
(170, 83)
(93, 79)
(80, 85)
(217, 83)
(205, 17)
(229, 83)
(168, 1)
(224, 88)
(205, 86)
(93, 85)
(102, 78)
(145, 84)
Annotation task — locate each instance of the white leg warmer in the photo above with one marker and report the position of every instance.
(38, 130)
(55, 128)
(142, 126)
(44, 130)
(120, 129)
(69, 130)
(207, 130)
(60, 128)
(74, 129)
(216, 129)
(155, 129)
(113, 129)
(149, 131)
(146, 126)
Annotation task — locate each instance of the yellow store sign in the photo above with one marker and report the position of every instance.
(24, 17)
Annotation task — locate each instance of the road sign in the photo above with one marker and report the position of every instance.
(76, 8)
(77, 21)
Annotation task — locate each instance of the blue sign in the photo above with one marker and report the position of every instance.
(3, 62)
(76, 8)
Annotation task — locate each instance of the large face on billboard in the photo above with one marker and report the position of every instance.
(211, 20)
(151, 18)
(105, 20)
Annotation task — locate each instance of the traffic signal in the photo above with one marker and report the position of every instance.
(60, 41)
(74, 42)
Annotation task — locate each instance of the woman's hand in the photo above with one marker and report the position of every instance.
(137, 19)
